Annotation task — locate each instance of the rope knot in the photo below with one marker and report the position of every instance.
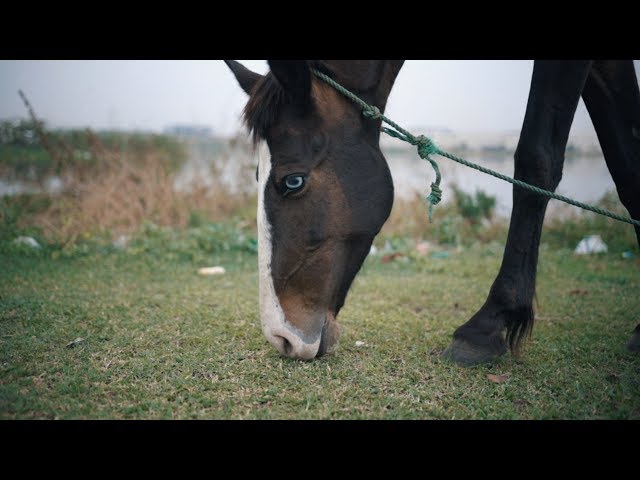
(372, 112)
(434, 198)
(425, 146)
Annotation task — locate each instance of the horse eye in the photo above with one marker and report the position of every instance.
(294, 182)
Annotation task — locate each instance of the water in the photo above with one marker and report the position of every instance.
(585, 179)
(53, 184)
(233, 164)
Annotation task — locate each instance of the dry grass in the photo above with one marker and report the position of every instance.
(409, 219)
(119, 194)
(407, 216)
(120, 189)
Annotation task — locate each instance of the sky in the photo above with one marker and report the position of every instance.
(474, 95)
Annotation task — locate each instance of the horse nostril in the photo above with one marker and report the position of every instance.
(290, 345)
(286, 345)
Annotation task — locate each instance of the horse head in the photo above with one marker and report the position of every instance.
(324, 193)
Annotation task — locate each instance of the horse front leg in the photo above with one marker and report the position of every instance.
(506, 318)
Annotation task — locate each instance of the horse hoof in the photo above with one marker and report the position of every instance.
(464, 353)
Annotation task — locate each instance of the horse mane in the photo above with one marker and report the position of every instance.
(266, 100)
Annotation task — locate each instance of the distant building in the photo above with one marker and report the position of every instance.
(191, 131)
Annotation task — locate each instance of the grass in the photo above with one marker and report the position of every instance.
(162, 342)
(159, 341)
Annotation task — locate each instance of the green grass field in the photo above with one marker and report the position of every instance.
(160, 341)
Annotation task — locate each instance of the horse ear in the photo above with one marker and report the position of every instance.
(295, 78)
(246, 78)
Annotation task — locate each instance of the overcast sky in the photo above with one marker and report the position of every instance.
(151, 95)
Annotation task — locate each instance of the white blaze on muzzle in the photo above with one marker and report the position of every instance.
(285, 337)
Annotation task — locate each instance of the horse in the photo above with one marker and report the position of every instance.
(326, 191)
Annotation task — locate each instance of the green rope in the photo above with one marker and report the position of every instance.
(426, 147)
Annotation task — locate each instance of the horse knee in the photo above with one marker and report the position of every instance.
(538, 166)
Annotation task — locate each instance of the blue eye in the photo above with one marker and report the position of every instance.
(293, 182)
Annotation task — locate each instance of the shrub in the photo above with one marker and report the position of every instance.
(474, 207)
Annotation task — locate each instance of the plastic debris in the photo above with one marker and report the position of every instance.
(75, 342)
(591, 244)
(440, 255)
(211, 270)
(628, 255)
(373, 250)
(360, 344)
(121, 242)
(29, 241)
(423, 248)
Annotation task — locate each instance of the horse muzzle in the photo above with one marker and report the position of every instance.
(294, 343)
